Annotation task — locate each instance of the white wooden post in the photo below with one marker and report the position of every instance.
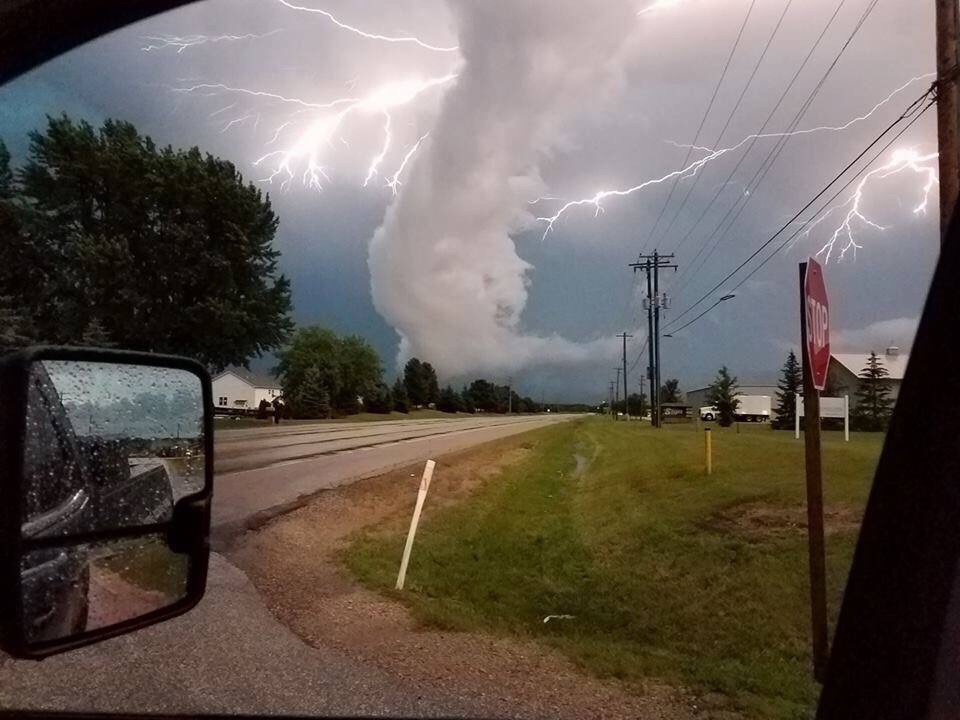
(796, 416)
(421, 497)
(846, 418)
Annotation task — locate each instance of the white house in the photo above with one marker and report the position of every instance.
(239, 389)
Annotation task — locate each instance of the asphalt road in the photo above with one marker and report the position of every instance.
(266, 470)
(229, 654)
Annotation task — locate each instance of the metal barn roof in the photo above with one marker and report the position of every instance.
(895, 362)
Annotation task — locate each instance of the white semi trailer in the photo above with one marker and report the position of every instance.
(752, 408)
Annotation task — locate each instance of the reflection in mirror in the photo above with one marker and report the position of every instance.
(109, 446)
(69, 590)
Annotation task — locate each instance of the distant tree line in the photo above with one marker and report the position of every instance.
(108, 240)
(325, 375)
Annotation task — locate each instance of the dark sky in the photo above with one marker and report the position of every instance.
(551, 99)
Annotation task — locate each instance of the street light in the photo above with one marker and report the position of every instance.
(723, 299)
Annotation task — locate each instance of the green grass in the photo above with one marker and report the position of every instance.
(225, 423)
(670, 574)
(149, 564)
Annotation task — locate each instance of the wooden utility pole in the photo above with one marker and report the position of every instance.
(617, 386)
(816, 544)
(651, 265)
(948, 109)
(626, 405)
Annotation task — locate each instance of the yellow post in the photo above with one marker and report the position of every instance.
(709, 450)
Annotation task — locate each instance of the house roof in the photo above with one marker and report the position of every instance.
(896, 365)
(256, 380)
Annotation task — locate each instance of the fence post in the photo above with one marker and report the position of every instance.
(846, 418)
(421, 497)
(708, 449)
(796, 416)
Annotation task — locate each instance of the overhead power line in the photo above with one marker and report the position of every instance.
(736, 106)
(912, 111)
(763, 127)
(771, 158)
(703, 120)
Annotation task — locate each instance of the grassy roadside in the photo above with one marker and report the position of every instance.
(668, 574)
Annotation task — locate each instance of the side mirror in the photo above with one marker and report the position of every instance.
(106, 477)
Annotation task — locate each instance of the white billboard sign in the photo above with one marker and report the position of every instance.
(830, 407)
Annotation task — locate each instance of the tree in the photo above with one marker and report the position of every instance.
(874, 404)
(430, 384)
(171, 249)
(14, 332)
(96, 335)
(466, 400)
(312, 397)
(791, 383)
(483, 393)
(723, 396)
(380, 400)
(401, 402)
(414, 380)
(349, 366)
(637, 404)
(312, 357)
(6, 174)
(670, 392)
(359, 372)
(449, 401)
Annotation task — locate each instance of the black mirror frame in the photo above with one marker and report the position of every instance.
(187, 532)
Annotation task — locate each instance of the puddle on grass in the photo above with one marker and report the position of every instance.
(581, 465)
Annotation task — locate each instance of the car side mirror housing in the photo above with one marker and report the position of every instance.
(106, 478)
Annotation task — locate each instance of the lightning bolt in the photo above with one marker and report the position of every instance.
(163, 42)
(659, 5)
(303, 156)
(901, 160)
(368, 35)
(712, 154)
(394, 181)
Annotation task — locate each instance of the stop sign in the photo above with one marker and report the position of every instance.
(817, 309)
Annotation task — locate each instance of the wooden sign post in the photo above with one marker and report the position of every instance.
(814, 334)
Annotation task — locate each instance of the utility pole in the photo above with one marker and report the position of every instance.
(617, 385)
(948, 109)
(651, 265)
(612, 417)
(510, 395)
(626, 405)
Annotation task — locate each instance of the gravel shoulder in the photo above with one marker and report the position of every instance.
(293, 562)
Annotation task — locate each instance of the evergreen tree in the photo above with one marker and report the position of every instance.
(431, 386)
(401, 401)
(791, 383)
(637, 404)
(96, 335)
(313, 395)
(380, 399)
(6, 174)
(449, 401)
(874, 404)
(467, 402)
(723, 396)
(14, 333)
(670, 392)
(414, 381)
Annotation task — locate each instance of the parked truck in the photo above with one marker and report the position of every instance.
(752, 408)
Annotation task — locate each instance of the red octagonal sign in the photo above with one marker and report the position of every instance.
(817, 308)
